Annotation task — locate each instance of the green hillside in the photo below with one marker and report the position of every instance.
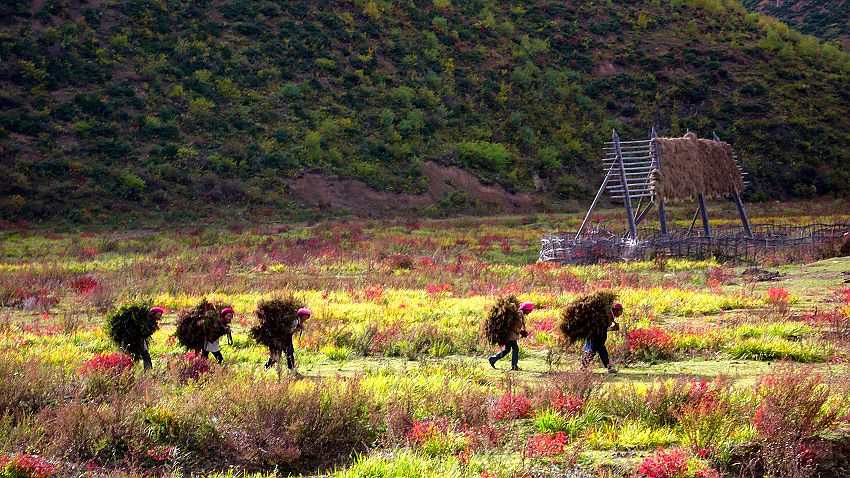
(130, 109)
(826, 19)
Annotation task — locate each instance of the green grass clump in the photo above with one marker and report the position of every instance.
(402, 464)
(776, 348)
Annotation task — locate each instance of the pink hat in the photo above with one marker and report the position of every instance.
(303, 311)
(526, 306)
(156, 309)
(226, 310)
(617, 306)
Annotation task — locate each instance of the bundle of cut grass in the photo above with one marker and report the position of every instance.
(130, 326)
(587, 315)
(502, 319)
(200, 324)
(276, 320)
(691, 166)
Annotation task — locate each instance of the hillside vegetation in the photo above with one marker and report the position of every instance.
(826, 19)
(135, 109)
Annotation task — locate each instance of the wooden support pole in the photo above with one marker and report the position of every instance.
(593, 204)
(693, 222)
(662, 210)
(736, 197)
(626, 197)
(703, 210)
(642, 215)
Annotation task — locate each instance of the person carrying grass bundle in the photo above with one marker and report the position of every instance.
(296, 325)
(199, 328)
(131, 327)
(595, 342)
(590, 318)
(211, 346)
(155, 313)
(505, 325)
(279, 319)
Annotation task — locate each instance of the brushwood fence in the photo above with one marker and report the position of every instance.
(726, 244)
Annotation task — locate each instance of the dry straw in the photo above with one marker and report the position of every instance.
(692, 166)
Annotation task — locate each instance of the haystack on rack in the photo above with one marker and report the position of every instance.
(658, 171)
(662, 170)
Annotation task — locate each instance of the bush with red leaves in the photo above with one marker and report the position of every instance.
(23, 465)
(546, 445)
(511, 407)
(567, 405)
(113, 362)
(649, 343)
(669, 463)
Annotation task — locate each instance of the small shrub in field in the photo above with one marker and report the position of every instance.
(511, 407)
(112, 363)
(188, 366)
(794, 404)
(546, 445)
(649, 343)
(669, 463)
(297, 426)
(779, 300)
(657, 406)
(28, 386)
(709, 422)
(567, 405)
(579, 383)
(436, 437)
(23, 465)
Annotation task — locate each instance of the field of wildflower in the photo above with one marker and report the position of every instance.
(719, 374)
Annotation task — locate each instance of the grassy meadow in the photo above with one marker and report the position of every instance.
(719, 374)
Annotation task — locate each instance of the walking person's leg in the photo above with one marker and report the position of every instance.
(274, 357)
(514, 354)
(603, 357)
(289, 350)
(495, 357)
(589, 352)
(146, 359)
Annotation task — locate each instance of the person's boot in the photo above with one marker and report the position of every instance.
(492, 361)
(611, 369)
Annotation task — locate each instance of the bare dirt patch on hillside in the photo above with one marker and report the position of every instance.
(317, 189)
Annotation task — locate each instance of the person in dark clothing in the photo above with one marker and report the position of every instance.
(213, 347)
(511, 345)
(595, 343)
(155, 314)
(297, 325)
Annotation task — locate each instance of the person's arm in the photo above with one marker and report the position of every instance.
(229, 336)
